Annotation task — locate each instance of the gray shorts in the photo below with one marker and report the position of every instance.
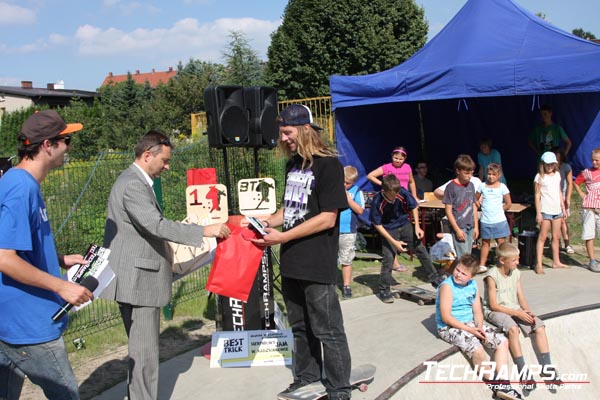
(591, 223)
(468, 342)
(504, 322)
(346, 252)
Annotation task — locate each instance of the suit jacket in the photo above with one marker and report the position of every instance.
(136, 232)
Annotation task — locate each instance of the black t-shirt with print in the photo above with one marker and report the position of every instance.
(307, 193)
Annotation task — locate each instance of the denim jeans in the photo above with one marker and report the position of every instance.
(465, 247)
(11, 379)
(316, 319)
(46, 365)
(406, 234)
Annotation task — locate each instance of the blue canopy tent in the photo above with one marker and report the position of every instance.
(484, 75)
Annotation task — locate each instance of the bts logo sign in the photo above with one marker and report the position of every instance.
(257, 196)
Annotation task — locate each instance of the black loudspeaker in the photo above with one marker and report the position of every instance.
(5, 165)
(228, 120)
(261, 101)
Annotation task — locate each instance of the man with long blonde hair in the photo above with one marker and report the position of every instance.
(314, 196)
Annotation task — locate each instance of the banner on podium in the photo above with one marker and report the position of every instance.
(251, 348)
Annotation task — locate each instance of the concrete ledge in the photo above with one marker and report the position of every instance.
(572, 335)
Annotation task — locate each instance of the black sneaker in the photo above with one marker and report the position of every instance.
(386, 296)
(292, 387)
(347, 292)
(551, 377)
(437, 280)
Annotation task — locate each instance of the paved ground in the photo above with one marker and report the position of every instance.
(400, 336)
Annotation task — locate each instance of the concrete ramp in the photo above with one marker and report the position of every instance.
(574, 346)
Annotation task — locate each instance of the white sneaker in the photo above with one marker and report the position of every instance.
(482, 269)
(570, 250)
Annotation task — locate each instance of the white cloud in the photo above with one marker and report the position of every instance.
(58, 39)
(25, 48)
(14, 15)
(186, 38)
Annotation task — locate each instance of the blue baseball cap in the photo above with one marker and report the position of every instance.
(297, 114)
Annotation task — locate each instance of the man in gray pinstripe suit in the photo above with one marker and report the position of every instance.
(137, 233)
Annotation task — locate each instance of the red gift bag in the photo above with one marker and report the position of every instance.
(235, 266)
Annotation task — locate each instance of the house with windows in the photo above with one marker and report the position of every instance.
(54, 95)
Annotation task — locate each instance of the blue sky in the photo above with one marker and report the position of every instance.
(81, 41)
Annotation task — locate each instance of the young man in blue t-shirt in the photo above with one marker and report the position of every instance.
(31, 287)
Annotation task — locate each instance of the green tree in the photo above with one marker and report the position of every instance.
(583, 34)
(124, 114)
(319, 38)
(85, 143)
(10, 127)
(242, 63)
(172, 103)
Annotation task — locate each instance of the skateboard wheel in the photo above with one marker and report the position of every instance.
(363, 387)
(420, 302)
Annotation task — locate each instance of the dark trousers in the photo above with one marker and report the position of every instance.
(315, 316)
(406, 234)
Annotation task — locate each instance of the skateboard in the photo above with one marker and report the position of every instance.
(422, 296)
(360, 377)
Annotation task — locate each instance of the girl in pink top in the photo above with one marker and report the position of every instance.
(399, 168)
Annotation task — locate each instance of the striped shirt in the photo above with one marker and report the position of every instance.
(591, 177)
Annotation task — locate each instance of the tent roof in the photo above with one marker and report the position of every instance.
(490, 48)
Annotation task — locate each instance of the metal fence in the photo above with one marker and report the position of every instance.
(77, 193)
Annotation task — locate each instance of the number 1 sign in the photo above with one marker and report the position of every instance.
(211, 199)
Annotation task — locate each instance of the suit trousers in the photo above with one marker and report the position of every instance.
(142, 325)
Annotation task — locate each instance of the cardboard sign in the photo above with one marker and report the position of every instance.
(257, 196)
(251, 348)
(203, 200)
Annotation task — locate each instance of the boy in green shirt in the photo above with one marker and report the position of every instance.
(506, 307)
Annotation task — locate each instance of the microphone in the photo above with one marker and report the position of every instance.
(90, 283)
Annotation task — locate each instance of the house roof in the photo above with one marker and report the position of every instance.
(40, 92)
(154, 78)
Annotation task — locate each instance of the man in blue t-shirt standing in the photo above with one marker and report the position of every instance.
(314, 196)
(31, 287)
